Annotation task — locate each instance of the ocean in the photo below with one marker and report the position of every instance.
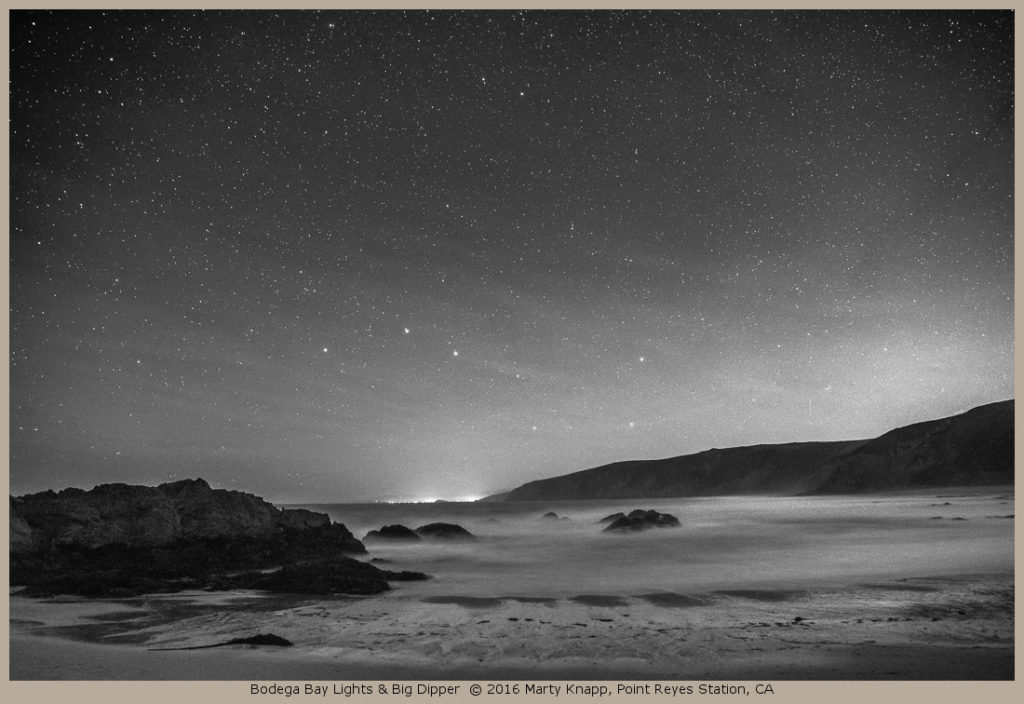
(722, 543)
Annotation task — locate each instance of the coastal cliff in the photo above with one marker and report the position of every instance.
(970, 449)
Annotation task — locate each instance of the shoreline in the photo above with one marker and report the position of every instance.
(57, 659)
(955, 627)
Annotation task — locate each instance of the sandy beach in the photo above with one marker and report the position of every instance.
(938, 628)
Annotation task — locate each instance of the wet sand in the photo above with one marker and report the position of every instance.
(946, 628)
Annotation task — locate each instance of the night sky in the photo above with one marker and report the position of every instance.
(340, 256)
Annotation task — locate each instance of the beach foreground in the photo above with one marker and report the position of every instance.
(921, 629)
(893, 588)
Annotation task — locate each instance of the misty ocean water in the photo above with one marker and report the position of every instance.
(905, 586)
(723, 543)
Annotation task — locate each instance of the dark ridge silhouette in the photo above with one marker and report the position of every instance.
(971, 449)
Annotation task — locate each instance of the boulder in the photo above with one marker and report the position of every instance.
(613, 517)
(444, 531)
(393, 532)
(642, 520)
(261, 639)
(341, 575)
(258, 639)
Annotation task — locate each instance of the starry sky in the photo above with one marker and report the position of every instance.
(345, 256)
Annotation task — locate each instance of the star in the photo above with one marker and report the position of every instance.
(755, 242)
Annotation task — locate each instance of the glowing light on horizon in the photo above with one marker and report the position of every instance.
(468, 498)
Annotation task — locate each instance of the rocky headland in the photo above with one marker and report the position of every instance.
(123, 540)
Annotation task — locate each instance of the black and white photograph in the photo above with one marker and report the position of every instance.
(606, 349)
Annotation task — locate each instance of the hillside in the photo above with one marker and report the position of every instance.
(970, 449)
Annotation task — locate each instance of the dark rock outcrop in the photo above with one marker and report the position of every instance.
(444, 531)
(301, 518)
(640, 519)
(551, 516)
(612, 518)
(971, 449)
(340, 575)
(261, 639)
(122, 514)
(392, 532)
(258, 639)
(119, 540)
